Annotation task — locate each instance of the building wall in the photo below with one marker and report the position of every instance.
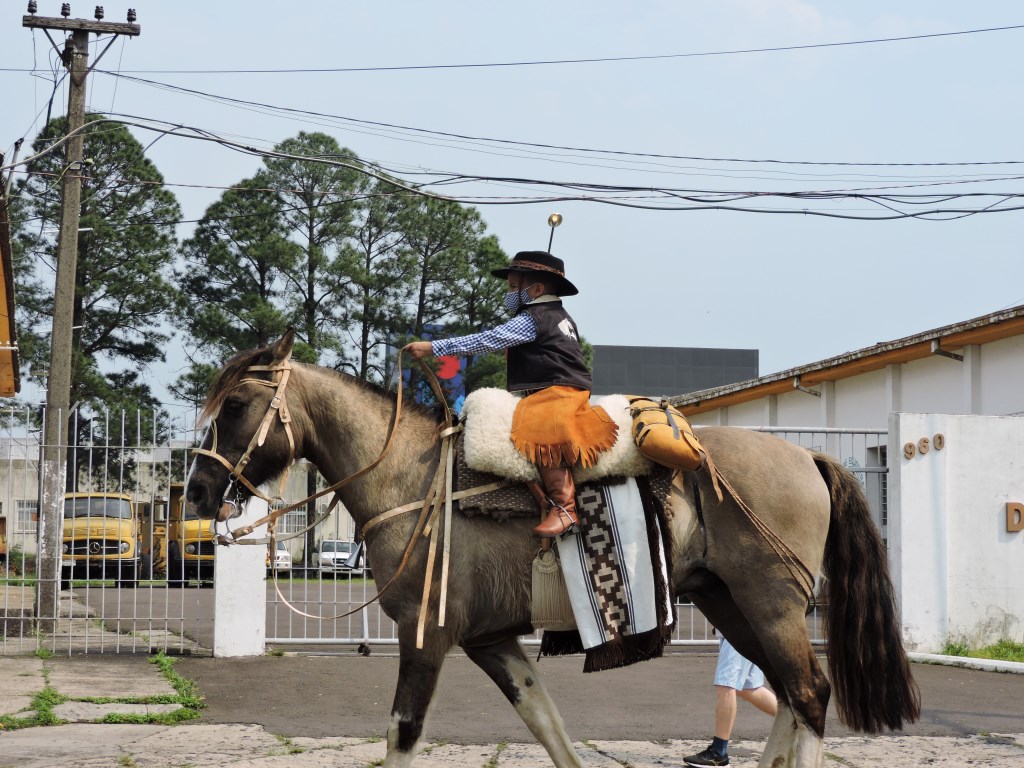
(956, 566)
(986, 382)
(1000, 385)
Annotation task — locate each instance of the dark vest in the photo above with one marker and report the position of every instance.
(554, 358)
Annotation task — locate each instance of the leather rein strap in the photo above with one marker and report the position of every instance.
(440, 493)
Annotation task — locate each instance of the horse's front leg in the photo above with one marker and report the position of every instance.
(516, 676)
(418, 670)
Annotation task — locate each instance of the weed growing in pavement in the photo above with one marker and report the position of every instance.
(188, 694)
(493, 762)
(293, 749)
(42, 652)
(44, 702)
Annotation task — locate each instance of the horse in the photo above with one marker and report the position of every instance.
(743, 560)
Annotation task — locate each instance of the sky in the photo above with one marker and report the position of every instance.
(798, 287)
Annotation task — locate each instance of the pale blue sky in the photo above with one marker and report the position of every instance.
(798, 288)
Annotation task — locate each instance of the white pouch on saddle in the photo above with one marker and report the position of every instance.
(487, 442)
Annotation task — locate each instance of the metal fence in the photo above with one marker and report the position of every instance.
(163, 599)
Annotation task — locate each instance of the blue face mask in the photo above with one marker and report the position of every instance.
(516, 299)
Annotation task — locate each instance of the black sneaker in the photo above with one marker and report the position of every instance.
(707, 757)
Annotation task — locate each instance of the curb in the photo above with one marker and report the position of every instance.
(968, 662)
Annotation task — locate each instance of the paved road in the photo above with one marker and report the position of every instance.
(667, 698)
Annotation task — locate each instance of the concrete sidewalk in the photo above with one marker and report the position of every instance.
(106, 706)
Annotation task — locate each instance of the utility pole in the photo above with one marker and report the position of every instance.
(75, 55)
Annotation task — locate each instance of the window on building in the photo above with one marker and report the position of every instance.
(292, 522)
(27, 512)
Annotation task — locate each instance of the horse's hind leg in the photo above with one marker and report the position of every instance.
(771, 632)
(418, 671)
(797, 736)
(514, 673)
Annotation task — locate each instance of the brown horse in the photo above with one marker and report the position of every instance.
(744, 572)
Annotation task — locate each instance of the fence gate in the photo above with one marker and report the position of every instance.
(863, 452)
(127, 580)
(137, 571)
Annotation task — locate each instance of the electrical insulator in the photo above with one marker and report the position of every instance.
(32, 7)
(98, 13)
(65, 9)
(131, 16)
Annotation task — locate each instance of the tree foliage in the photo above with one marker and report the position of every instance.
(126, 245)
(123, 292)
(233, 277)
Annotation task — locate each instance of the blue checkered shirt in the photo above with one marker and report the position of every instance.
(519, 330)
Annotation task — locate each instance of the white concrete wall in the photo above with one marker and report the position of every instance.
(958, 571)
(1001, 376)
(861, 401)
(933, 385)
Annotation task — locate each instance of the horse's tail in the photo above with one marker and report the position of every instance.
(869, 668)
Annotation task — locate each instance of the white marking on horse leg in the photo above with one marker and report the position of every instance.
(791, 743)
(396, 758)
(540, 714)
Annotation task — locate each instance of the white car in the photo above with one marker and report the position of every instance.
(282, 560)
(334, 553)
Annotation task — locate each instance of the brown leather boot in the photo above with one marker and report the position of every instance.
(561, 490)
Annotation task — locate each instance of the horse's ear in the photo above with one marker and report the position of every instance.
(281, 349)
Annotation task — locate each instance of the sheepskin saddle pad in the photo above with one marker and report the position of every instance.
(487, 414)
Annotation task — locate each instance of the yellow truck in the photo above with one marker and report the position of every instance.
(190, 542)
(153, 537)
(101, 538)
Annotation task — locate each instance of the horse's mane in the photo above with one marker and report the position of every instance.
(237, 368)
(230, 376)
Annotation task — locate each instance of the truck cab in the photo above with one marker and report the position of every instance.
(190, 542)
(101, 538)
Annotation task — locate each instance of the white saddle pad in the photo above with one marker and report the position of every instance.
(487, 441)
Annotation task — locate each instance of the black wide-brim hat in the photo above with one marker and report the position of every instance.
(541, 261)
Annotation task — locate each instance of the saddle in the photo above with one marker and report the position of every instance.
(487, 416)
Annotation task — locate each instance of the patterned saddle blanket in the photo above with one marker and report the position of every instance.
(616, 571)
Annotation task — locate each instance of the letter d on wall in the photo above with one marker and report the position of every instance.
(1014, 516)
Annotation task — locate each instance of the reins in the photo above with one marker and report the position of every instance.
(439, 495)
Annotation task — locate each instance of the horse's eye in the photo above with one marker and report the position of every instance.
(233, 407)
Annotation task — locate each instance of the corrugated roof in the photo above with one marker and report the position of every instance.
(980, 330)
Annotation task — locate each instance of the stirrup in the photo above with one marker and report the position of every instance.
(561, 514)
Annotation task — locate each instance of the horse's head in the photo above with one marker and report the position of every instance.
(249, 437)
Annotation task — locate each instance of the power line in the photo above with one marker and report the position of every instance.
(560, 147)
(642, 197)
(559, 62)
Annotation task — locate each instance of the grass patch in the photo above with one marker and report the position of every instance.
(43, 703)
(188, 694)
(493, 762)
(956, 648)
(1004, 650)
(182, 715)
(289, 745)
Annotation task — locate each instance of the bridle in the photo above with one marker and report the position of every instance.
(277, 408)
(439, 497)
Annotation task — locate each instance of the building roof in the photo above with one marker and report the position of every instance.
(939, 341)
